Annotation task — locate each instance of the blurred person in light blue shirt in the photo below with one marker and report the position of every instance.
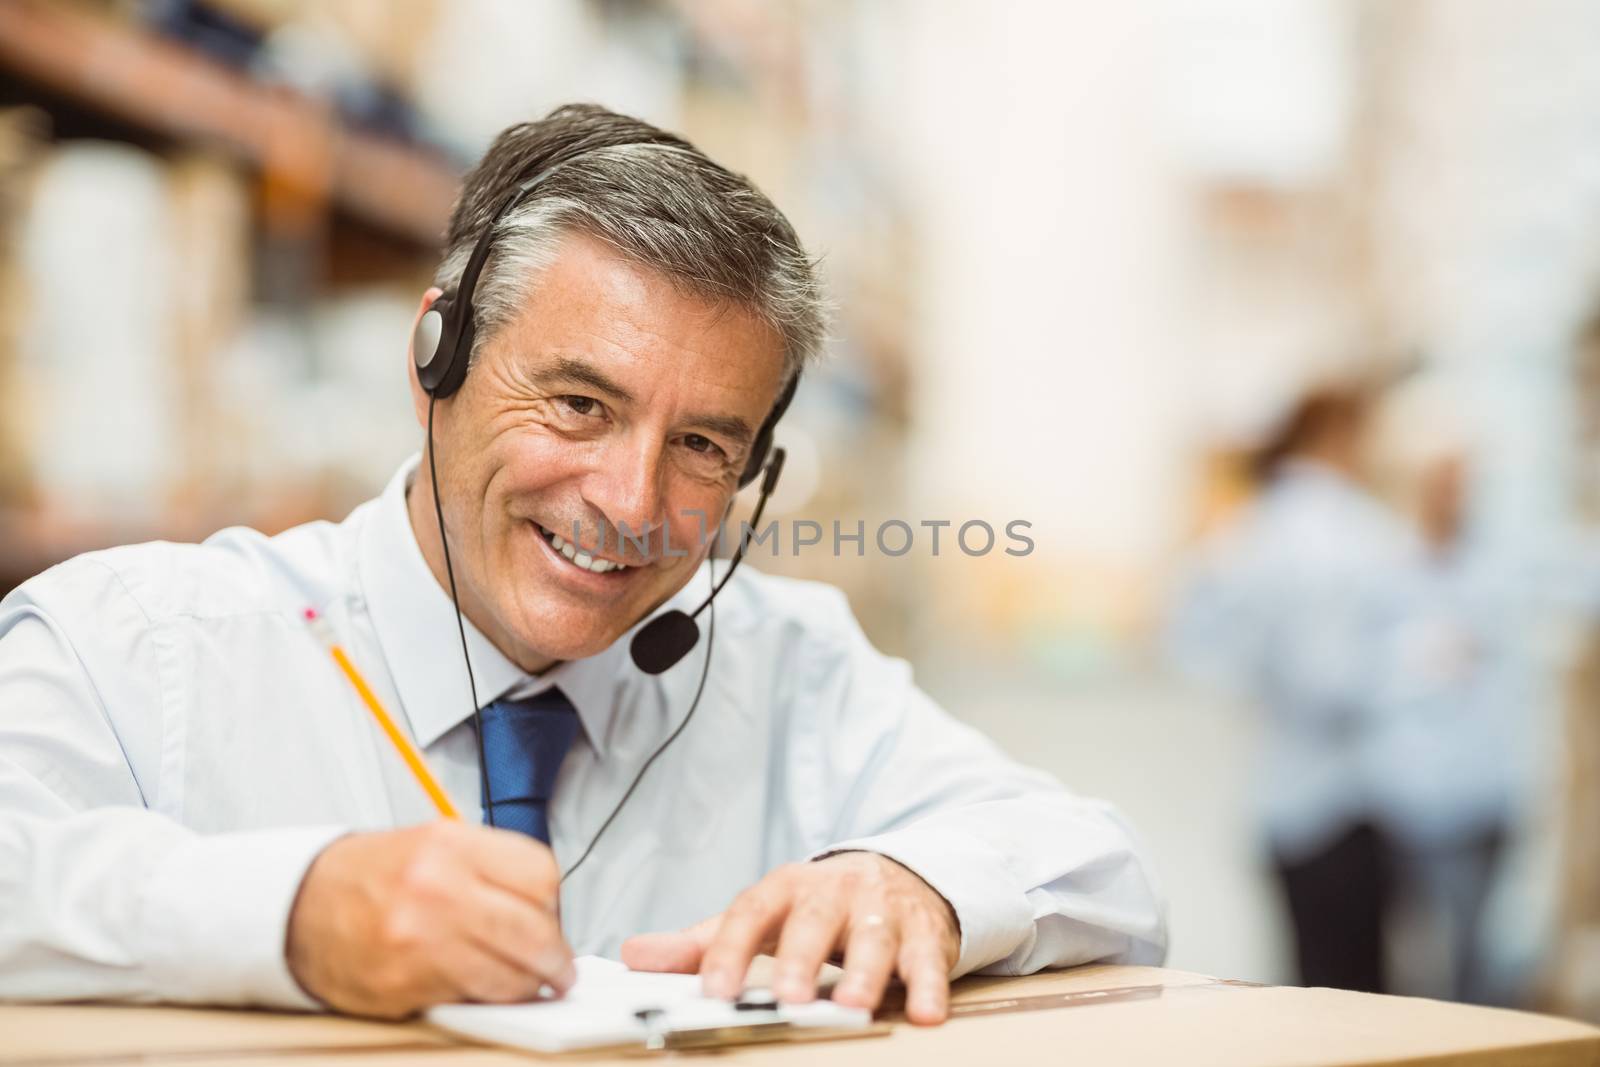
(1450, 752)
(1293, 604)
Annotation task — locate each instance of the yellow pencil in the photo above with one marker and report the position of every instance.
(402, 743)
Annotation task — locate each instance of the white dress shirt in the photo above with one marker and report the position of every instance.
(176, 746)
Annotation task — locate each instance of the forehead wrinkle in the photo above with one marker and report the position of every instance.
(569, 369)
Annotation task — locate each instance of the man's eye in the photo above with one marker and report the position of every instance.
(696, 443)
(581, 405)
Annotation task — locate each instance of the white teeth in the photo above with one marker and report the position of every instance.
(580, 558)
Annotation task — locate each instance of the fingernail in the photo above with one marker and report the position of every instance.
(717, 984)
(929, 1006)
(793, 987)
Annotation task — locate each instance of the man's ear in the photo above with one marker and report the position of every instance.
(419, 395)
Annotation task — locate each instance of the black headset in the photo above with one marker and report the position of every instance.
(441, 347)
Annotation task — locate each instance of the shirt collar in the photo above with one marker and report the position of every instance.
(416, 628)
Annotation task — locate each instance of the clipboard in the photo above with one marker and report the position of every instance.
(613, 1009)
(652, 1030)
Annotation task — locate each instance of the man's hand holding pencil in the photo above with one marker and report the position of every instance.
(389, 923)
(386, 924)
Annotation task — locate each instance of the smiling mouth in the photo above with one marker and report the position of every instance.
(578, 557)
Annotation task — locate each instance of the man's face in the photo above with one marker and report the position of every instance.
(611, 402)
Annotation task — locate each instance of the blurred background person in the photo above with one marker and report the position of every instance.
(1291, 602)
(1448, 759)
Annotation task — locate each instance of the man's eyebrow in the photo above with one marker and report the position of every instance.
(727, 425)
(567, 369)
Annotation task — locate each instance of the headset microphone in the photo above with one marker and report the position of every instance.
(668, 637)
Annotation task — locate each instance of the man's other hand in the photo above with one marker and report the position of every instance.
(386, 924)
(882, 917)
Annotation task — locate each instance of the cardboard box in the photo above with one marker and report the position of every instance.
(1089, 1015)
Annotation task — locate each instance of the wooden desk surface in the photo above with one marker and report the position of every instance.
(1170, 1017)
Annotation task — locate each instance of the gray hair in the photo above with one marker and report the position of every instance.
(654, 198)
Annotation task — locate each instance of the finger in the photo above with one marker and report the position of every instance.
(677, 951)
(810, 932)
(747, 927)
(517, 863)
(927, 978)
(523, 935)
(869, 960)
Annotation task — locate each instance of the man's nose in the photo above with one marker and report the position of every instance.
(626, 488)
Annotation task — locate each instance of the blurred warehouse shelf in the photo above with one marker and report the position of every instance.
(253, 173)
(133, 76)
(175, 229)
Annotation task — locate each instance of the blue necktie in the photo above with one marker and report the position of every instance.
(524, 742)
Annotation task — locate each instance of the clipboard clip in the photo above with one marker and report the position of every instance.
(760, 1022)
(765, 1025)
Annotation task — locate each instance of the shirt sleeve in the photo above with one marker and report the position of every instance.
(1037, 876)
(102, 895)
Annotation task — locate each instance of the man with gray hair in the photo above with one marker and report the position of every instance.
(196, 806)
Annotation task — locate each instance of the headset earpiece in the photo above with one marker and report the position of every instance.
(425, 340)
(763, 443)
(441, 345)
